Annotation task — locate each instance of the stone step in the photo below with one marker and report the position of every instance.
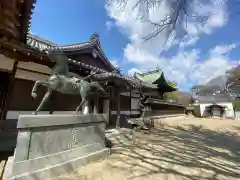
(57, 158)
(51, 145)
(62, 168)
(8, 168)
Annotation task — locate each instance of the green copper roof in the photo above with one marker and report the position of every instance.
(149, 77)
(156, 77)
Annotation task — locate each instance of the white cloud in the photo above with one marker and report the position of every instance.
(132, 71)
(114, 63)
(188, 40)
(129, 22)
(186, 67)
(224, 49)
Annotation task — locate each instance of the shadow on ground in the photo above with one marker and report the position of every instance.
(186, 152)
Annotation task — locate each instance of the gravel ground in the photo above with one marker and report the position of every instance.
(178, 149)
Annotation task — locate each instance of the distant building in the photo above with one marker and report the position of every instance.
(218, 105)
(157, 78)
(157, 105)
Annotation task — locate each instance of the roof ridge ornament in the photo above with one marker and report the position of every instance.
(95, 38)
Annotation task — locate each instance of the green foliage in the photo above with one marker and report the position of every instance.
(191, 100)
(172, 84)
(199, 87)
(233, 73)
(236, 104)
(171, 95)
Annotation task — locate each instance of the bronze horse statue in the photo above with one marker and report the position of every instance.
(62, 82)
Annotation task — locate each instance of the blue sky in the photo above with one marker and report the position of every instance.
(208, 51)
(73, 22)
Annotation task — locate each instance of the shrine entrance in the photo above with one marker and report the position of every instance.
(216, 110)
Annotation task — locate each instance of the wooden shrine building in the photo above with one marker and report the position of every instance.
(155, 100)
(24, 59)
(157, 79)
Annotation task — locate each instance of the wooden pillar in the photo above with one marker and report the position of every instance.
(9, 91)
(118, 110)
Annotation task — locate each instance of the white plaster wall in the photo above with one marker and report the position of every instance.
(153, 94)
(35, 67)
(134, 103)
(125, 94)
(21, 74)
(133, 93)
(237, 114)
(105, 106)
(6, 63)
(229, 112)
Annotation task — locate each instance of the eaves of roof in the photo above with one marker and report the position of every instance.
(158, 101)
(41, 45)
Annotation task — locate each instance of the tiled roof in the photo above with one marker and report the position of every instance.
(26, 17)
(78, 46)
(235, 87)
(156, 77)
(41, 44)
(218, 98)
(158, 101)
(149, 77)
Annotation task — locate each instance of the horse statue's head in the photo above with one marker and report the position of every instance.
(57, 55)
(60, 59)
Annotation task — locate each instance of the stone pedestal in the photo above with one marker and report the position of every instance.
(141, 123)
(49, 145)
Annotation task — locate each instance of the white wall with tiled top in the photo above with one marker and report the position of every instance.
(229, 112)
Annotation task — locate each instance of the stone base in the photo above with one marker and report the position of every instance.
(61, 168)
(49, 145)
(141, 123)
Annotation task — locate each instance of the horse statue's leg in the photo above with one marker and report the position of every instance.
(44, 100)
(34, 89)
(80, 105)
